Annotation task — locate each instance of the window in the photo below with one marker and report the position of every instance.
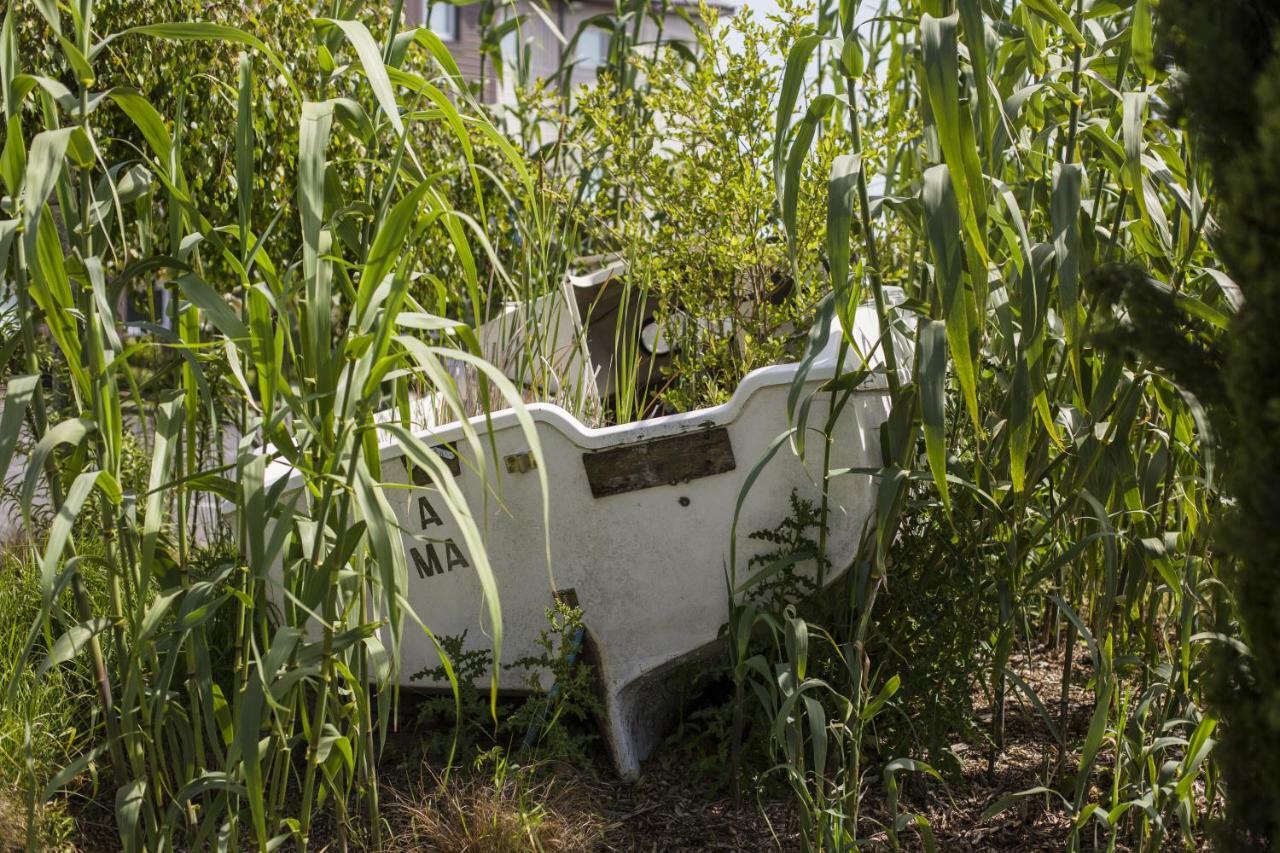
(145, 309)
(443, 20)
(593, 48)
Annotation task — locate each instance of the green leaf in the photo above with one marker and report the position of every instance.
(60, 531)
(1133, 124)
(8, 64)
(942, 87)
(1197, 751)
(51, 291)
(942, 223)
(780, 564)
(1097, 731)
(13, 158)
(17, 397)
(1052, 12)
(889, 493)
(973, 21)
(817, 716)
(44, 166)
(48, 10)
(387, 250)
(393, 571)
(155, 614)
(1009, 799)
(166, 438)
(887, 692)
(790, 189)
(72, 771)
(202, 295)
(244, 153)
(147, 119)
(266, 348)
(1143, 40)
(72, 642)
(374, 69)
(841, 194)
(788, 95)
(8, 233)
(77, 61)
(440, 53)
(1019, 423)
(313, 143)
(129, 801)
(1065, 217)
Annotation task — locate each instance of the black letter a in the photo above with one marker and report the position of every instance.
(427, 513)
(454, 555)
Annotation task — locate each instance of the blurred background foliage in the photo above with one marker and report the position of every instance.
(1232, 100)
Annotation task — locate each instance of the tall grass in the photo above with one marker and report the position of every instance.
(1074, 480)
(242, 693)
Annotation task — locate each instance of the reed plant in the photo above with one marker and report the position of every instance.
(1069, 482)
(245, 671)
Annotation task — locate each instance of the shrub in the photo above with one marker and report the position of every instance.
(1240, 133)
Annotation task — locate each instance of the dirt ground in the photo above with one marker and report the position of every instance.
(670, 809)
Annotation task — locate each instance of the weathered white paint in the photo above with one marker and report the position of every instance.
(648, 567)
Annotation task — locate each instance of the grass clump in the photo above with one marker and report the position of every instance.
(495, 807)
(46, 720)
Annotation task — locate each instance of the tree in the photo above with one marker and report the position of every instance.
(1231, 97)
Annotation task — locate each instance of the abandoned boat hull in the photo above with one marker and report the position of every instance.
(638, 524)
(639, 529)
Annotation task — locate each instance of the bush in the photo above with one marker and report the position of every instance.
(676, 178)
(1241, 135)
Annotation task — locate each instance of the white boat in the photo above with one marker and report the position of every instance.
(639, 527)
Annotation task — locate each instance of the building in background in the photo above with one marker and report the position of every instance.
(546, 29)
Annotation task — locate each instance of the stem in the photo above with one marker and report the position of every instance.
(825, 510)
(1065, 697)
(1070, 154)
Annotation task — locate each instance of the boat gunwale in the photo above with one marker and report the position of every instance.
(590, 438)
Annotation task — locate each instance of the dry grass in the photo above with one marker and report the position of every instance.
(520, 809)
(56, 828)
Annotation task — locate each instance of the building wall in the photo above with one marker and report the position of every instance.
(465, 46)
(570, 18)
(546, 31)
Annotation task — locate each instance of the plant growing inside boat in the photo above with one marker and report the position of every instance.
(557, 722)
(456, 724)
(551, 722)
(672, 175)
